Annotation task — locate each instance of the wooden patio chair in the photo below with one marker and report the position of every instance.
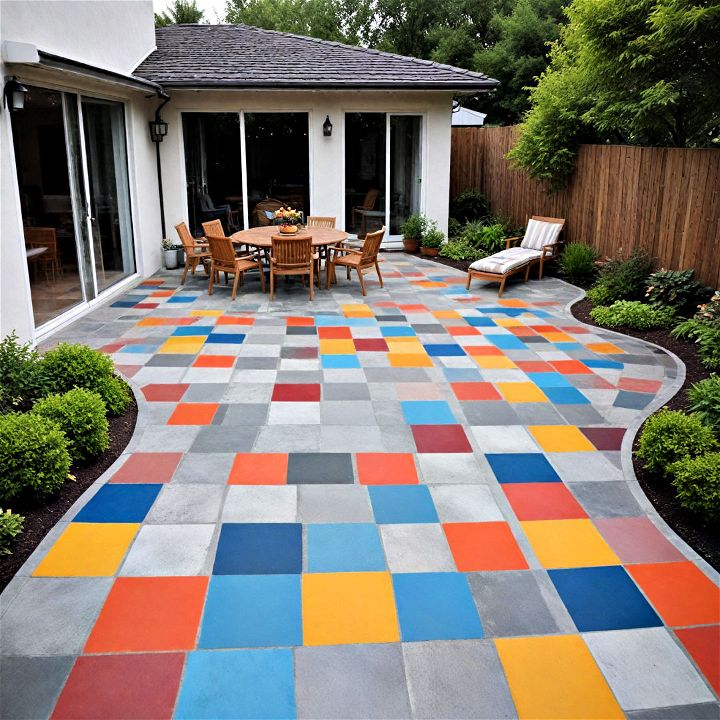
(48, 260)
(214, 228)
(361, 260)
(321, 222)
(539, 244)
(195, 251)
(223, 259)
(367, 209)
(292, 256)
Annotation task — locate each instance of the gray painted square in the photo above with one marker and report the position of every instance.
(181, 503)
(334, 504)
(213, 439)
(606, 499)
(319, 468)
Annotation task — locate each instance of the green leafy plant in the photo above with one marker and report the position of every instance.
(488, 239)
(469, 206)
(80, 414)
(433, 238)
(704, 399)
(697, 481)
(706, 334)
(632, 314)
(710, 311)
(11, 525)
(577, 263)
(676, 289)
(669, 436)
(21, 377)
(68, 366)
(33, 456)
(459, 249)
(622, 279)
(414, 227)
(454, 228)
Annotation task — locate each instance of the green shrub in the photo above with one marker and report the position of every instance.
(33, 456)
(21, 377)
(68, 366)
(468, 206)
(622, 280)
(706, 334)
(459, 249)
(632, 314)
(487, 239)
(577, 263)
(433, 238)
(80, 414)
(697, 481)
(676, 289)
(414, 227)
(11, 525)
(670, 436)
(705, 401)
(454, 228)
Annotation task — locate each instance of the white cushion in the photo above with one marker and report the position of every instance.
(503, 262)
(540, 233)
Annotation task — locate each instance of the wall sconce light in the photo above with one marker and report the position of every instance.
(327, 127)
(158, 130)
(14, 94)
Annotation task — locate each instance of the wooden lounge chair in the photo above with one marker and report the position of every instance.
(223, 259)
(361, 260)
(292, 256)
(321, 222)
(539, 244)
(195, 251)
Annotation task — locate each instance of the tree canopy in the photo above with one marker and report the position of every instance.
(179, 11)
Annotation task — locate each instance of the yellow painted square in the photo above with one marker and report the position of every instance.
(521, 392)
(409, 360)
(206, 313)
(494, 362)
(561, 438)
(555, 678)
(358, 310)
(558, 337)
(446, 314)
(183, 345)
(568, 543)
(88, 550)
(507, 322)
(605, 348)
(337, 347)
(430, 284)
(415, 346)
(341, 608)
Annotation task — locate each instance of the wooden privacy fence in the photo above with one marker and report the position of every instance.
(663, 200)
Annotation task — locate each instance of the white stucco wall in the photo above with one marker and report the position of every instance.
(327, 192)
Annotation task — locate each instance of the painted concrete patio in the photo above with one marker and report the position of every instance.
(415, 504)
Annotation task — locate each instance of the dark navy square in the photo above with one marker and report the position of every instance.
(444, 350)
(565, 396)
(226, 338)
(125, 303)
(119, 503)
(259, 549)
(633, 400)
(522, 468)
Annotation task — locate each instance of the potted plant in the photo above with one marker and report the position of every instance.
(170, 253)
(412, 230)
(288, 220)
(431, 242)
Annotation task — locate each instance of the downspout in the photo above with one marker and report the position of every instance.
(165, 99)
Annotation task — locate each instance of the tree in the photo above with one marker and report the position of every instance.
(180, 11)
(640, 72)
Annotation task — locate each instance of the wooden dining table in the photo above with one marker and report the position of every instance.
(261, 237)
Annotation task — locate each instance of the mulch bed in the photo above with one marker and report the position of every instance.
(40, 520)
(697, 533)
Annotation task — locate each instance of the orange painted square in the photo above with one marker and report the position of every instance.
(543, 501)
(483, 350)
(570, 367)
(703, 644)
(639, 385)
(386, 469)
(162, 293)
(193, 414)
(149, 613)
(512, 303)
(233, 320)
(475, 391)
(680, 592)
(484, 546)
(300, 321)
(605, 348)
(413, 308)
(259, 469)
(214, 361)
(334, 333)
(457, 330)
(533, 366)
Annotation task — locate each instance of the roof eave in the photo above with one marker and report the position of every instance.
(468, 86)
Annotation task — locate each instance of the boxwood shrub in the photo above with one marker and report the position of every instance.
(632, 314)
(697, 481)
(705, 401)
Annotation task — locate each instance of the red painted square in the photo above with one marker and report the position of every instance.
(297, 392)
(146, 306)
(484, 546)
(234, 320)
(459, 330)
(386, 469)
(121, 686)
(334, 333)
(259, 469)
(543, 501)
(544, 328)
(571, 367)
(128, 370)
(300, 321)
(214, 361)
(148, 467)
(441, 439)
(533, 366)
(574, 329)
(475, 391)
(164, 392)
(521, 331)
(703, 644)
(637, 540)
(604, 438)
(639, 385)
(151, 283)
(413, 308)
(149, 613)
(162, 293)
(193, 414)
(111, 347)
(370, 345)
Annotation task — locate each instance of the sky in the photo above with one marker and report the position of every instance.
(211, 8)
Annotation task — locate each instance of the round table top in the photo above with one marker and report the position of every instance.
(261, 236)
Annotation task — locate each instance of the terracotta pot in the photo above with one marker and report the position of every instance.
(429, 252)
(288, 229)
(411, 245)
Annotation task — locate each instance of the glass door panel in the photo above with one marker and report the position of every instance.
(365, 141)
(108, 190)
(405, 168)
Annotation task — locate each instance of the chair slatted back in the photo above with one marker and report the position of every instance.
(370, 199)
(187, 239)
(221, 250)
(321, 222)
(291, 251)
(213, 227)
(371, 246)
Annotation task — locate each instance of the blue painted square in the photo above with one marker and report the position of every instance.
(522, 468)
(395, 504)
(436, 606)
(461, 375)
(175, 299)
(480, 321)
(239, 684)
(609, 364)
(540, 313)
(252, 611)
(603, 598)
(427, 412)
(344, 547)
(507, 342)
(498, 310)
(140, 349)
(444, 350)
(125, 303)
(565, 396)
(340, 361)
(259, 549)
(633, 400)
(391, 331)
(568, 346)
(226, 338)
(549, 379)
(358, 322)
(191, 330)
(341, 321)
(118, 503)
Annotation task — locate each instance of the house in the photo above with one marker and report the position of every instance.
(464, 117)
(247, 120)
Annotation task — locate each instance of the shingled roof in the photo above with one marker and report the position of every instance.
(240, 56)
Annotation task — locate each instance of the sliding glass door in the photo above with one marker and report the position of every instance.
(405, 169)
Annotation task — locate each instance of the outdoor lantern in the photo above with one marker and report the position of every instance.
(158, 130)
(327, 127)
(14, 94)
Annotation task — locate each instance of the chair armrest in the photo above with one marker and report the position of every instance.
(509, 241)
(549, 250)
